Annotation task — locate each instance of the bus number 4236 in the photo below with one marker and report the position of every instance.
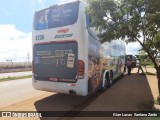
(39, 37)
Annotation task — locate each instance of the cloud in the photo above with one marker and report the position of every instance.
(132, 48)
(41, 2)
(14, 44)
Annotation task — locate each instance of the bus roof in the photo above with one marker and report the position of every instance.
(61, 3)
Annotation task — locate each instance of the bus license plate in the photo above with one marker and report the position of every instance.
(53, 79)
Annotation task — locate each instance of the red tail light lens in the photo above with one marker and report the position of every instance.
(81, 67)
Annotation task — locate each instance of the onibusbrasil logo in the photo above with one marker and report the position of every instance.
(63, 33)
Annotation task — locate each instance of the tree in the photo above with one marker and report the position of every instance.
(143, 57)
(131, 21)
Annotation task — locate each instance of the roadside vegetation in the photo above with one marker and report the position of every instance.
(149, 73)
(130, 21)
(14, 78)
(156, 102)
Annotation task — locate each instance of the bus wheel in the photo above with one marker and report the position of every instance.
(106, 81)
(122, 75)
(111, 78)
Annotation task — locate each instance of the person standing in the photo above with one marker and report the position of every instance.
(138, 63)
(129, 65)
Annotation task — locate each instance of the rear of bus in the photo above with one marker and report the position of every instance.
(58, 58)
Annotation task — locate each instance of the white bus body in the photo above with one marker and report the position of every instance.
(67, 57)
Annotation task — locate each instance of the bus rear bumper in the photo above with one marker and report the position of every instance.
(61, 87)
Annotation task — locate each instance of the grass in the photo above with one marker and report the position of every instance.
(149, 73)
(14, 78)
(148, 105)
(156, 102)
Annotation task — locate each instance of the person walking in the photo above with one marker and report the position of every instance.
(138, 63)
(129, 65)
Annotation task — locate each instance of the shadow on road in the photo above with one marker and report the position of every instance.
(134, 92)
(62, 104)
(131, 93)
(58, 102)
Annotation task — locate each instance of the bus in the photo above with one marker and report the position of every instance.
(67, 56)
(133, 60)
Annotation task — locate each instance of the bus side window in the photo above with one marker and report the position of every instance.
(88, 21)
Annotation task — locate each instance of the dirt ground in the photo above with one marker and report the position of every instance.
(133, 92)
(152, 81)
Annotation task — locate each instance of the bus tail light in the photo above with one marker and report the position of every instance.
(81, 67)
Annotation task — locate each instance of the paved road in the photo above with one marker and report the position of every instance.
(19, 95)
(133, 92)
(15, 91)
(4, 75)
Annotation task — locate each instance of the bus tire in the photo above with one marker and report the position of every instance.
(111, 77)
(122, 75)
(106, 81)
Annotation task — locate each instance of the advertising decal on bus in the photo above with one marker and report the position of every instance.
(63, 33)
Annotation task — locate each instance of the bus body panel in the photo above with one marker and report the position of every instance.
(89, 51)
(78, 88)
(133, 60)
(76, 33)
(95, 64)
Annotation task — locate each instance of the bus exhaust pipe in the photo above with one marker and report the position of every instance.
(72, 92)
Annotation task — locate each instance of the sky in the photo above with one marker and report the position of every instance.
(16, 18)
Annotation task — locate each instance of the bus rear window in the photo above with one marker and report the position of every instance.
(56, 16)
(56, 60)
